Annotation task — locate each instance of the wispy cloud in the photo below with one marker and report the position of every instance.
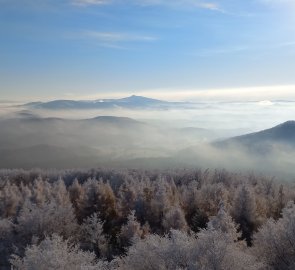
(116, 40)
(90, 2)
(209, 5)
(222, 51)
(185, 3)
(214, 6)
(117, 36)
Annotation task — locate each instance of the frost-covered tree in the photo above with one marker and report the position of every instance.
(216, 250)
(6, 228)
(6, 240)
(159, 203)
(174, 218)
(41, 191)
(46, 219)
(218, 247)
(92, 236)
(99, 198)
(209, 196)
(60, 193)
(244, 212)
(58, 254)
(130, 231)
(76, 193)
(174, 251)
(275, 241)
(224, 223)
(10, 199)
(127, 196)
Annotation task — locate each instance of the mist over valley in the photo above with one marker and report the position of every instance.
(140, 132)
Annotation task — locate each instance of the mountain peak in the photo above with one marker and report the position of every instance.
(140, 100)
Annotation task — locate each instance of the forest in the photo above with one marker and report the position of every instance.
(145, 220)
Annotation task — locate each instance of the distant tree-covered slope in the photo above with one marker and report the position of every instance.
(280, 134)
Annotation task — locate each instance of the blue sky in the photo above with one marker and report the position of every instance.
(175, 49)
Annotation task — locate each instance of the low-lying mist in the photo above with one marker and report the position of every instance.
(146, 137)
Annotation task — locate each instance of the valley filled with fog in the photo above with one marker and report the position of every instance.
(239, 117)
(139, 132)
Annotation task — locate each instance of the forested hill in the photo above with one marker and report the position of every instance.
(281, 134)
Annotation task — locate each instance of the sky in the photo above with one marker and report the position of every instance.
(184, 49)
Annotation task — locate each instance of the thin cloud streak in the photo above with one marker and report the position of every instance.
(173, 3)
(114, 40)
(90, 2)
(221, 51)
(113, 37)
(210, 6)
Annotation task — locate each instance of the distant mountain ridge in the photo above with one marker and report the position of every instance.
(127, 102)
(284, 132)
(265, 141)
